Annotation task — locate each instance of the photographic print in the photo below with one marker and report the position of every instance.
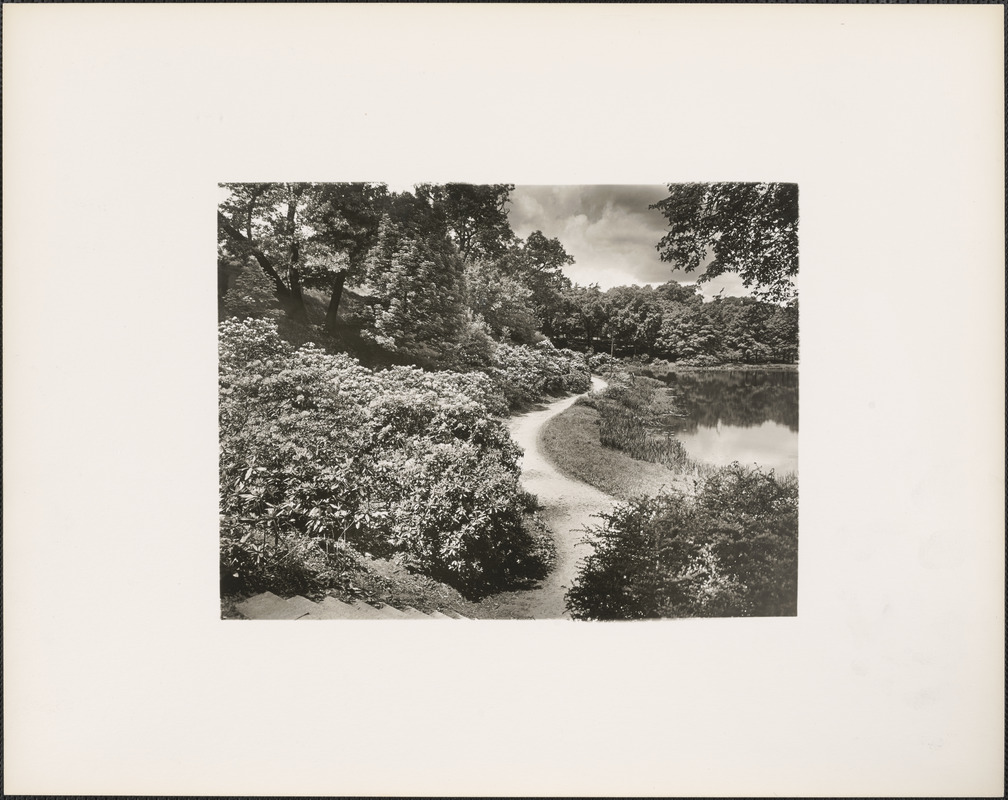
(506, 330)
(498, 401)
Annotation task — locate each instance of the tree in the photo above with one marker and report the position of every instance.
(503, 302)
(782, 332)
(346, 218)
(673, 294)
(585, 312)
(634, 317)
(303, 235)
(261, 220)
(747, 228)
(538, 262)
(420, 284)
(474, 216)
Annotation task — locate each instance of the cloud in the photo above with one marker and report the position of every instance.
(609, 230)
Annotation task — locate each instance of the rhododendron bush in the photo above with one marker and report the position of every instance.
(727, 549)
(526, 373)
(319, 452)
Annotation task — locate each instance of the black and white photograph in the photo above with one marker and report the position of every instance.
(403, 399)
(508, 402)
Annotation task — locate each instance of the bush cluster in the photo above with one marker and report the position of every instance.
(525, 374)
(730, 549)
(603, 362)
(319, 454)
(704, 360)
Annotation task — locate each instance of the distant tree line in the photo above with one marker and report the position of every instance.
(673, 322)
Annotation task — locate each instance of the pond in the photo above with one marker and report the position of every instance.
(737, 415)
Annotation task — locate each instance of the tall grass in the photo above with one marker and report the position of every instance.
(635, 415)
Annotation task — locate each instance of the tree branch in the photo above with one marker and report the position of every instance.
(260, 256)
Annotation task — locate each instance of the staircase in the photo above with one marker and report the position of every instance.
(269, 606)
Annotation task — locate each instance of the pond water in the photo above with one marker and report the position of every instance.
(737, 415)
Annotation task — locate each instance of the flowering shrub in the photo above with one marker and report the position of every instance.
(525, 374)
(729, 550)
(603, 362)
(316, 448)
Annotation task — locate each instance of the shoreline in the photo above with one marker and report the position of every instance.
(716, 368)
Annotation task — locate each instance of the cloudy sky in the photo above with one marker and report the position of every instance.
(609, 231)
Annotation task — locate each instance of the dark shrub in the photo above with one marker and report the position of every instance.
(729, 550)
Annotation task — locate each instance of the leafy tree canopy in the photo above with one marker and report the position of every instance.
(747, 228)
(421, 284)
(538, 262)
(474, 217)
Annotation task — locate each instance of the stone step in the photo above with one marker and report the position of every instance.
(331, 608)
(268, 606)
(412, 613)
(302, 604)
(367, 611)
(391, 612)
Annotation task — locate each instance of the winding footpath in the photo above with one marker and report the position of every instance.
(568, 507)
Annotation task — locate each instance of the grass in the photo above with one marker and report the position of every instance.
(571, 441)
(636, 415)
(618, 442)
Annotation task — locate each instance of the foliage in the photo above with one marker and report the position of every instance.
(524, 375)
(403, 254)
(345, 218)
(747, 228)
(633, 413)
(504, 302)
(280, 225)
(252, 294)
(473, 216)
(700, 360)
(729, 550)
(538, 262)
(672, 321)
(475, 346)
(585, 310)
(316, 448)
(603, 363)
(421, 283)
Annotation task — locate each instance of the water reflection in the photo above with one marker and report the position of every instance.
(737, 415)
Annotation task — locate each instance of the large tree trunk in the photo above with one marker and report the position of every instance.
(298, 310)
(331, 320)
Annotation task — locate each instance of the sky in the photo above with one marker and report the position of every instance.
(609, 231)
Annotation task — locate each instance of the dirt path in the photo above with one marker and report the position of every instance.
(568, 506)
